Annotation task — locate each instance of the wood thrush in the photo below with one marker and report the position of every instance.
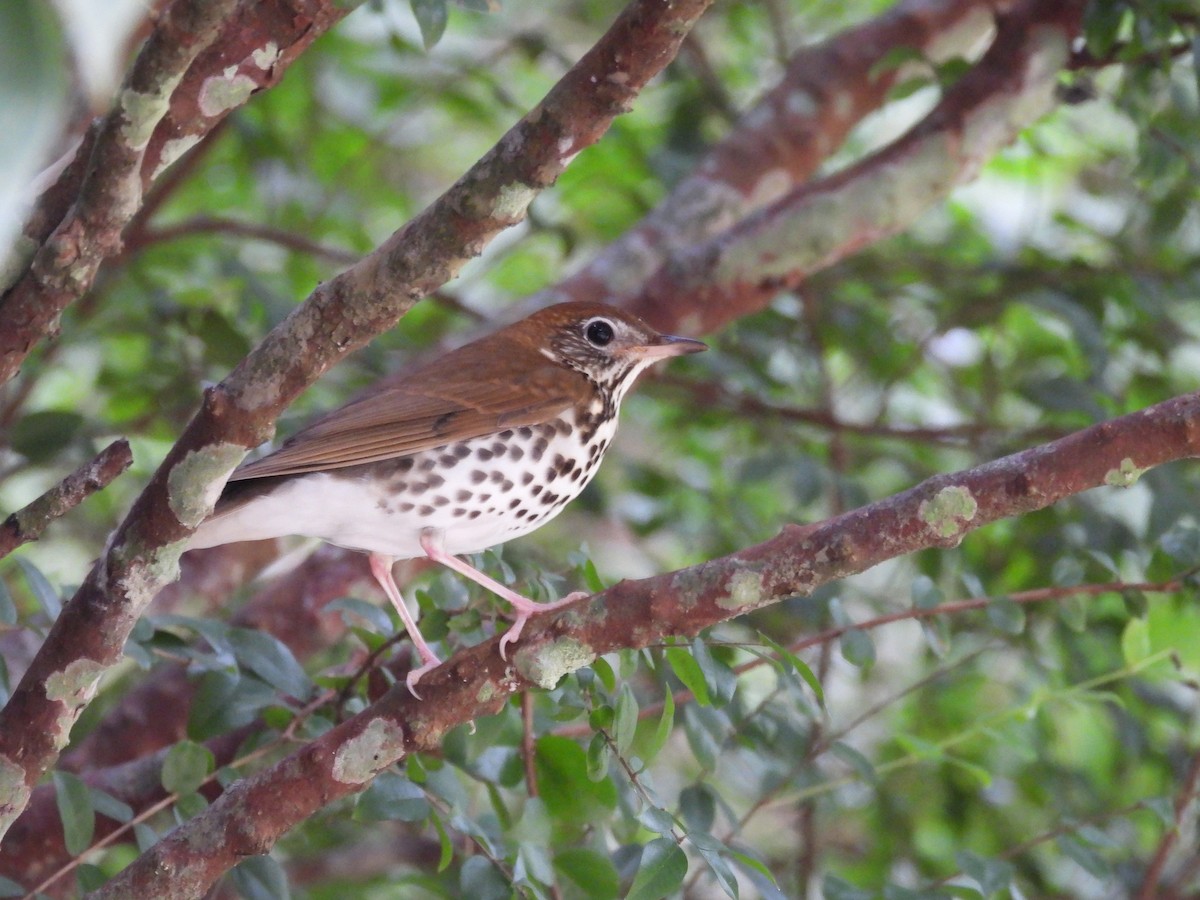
(482, 445)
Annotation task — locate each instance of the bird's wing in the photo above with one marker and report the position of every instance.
(439, 405)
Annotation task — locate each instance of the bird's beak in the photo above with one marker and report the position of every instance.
(668, 345)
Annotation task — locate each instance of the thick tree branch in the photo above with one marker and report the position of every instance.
(65, 266)
(254, 812)
(28, 523)
(815, 225)
(340, 316)
(826, 90)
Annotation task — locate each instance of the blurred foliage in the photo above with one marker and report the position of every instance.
(1016, 749)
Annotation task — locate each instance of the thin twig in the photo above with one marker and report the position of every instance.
(28, 523)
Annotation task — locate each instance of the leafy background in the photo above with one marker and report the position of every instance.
(1039, 743)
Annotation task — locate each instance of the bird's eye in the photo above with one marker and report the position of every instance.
(599, 332)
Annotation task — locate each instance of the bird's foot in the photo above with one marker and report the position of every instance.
(418, 673)
(526, 608)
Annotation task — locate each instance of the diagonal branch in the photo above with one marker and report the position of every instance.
(813, 226)
(64, 267)
(254, 812)
(28, 523)
(340, 316)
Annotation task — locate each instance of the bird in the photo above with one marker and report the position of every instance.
(481, 445)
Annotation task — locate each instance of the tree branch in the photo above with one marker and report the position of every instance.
(813, 226)
(28, 523)
(254, 812)
(65, 266)
(340, 316)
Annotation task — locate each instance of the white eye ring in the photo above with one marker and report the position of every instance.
(599, 332)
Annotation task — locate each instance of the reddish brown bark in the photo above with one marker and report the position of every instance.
(940, 512)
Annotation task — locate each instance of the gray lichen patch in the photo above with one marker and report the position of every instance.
(1124, 476)
(378, 745)
(513, 200)
(144, 110)
(948, 511)
(546, 664)
(145, 578)
(195, 482)
(226, 91)
(14, 792)
(76, 684)
(745, 590)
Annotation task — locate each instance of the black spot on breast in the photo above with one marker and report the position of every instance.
(499, 448)
(514, 503)
(427, 464)
(425, 510)
(484, 498)
(522, 513)
(417, 488)
(547, 430)
(436, 480)
(441, 501)
(563, 427)
(462, 451)
(539, 447)
(506, 434)
(405, 507)
(496, 477)
(516, 451)
(536, 489)
(549, 498)
(473, 514)
(526, 478)
(462, 496)
(484, 454)
(478, 476)
(448, 460)
(459, 512)
(525, 432)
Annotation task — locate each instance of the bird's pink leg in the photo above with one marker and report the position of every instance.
(523, 606)
(381, 568)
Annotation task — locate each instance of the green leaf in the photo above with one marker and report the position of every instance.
(599, 753)
(186, 766)
(793, 662)
(352, 608)
(447, 854)
(562, 772)
(74, 802)
(109, 806)
(698, 807)
(857, 648)
(992, 875)
(721, 870)
(759, 875)
(260, 878)
(45, 595)
(656, 819)
(479, 878)
(1182, 544)
(89, 878)
(605, 673)
(1135, 641)
(41, 436)
(392, 796)
(1067, 572)
(626, 720)
(926, 594)
(687, 670)
(661, 870)
(662, 731)
(8, 609)
(592, 873)
(722, 683)
(863, 766)
(1091, 861)
(270, 659)
(1006, 615)
(431, 16)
